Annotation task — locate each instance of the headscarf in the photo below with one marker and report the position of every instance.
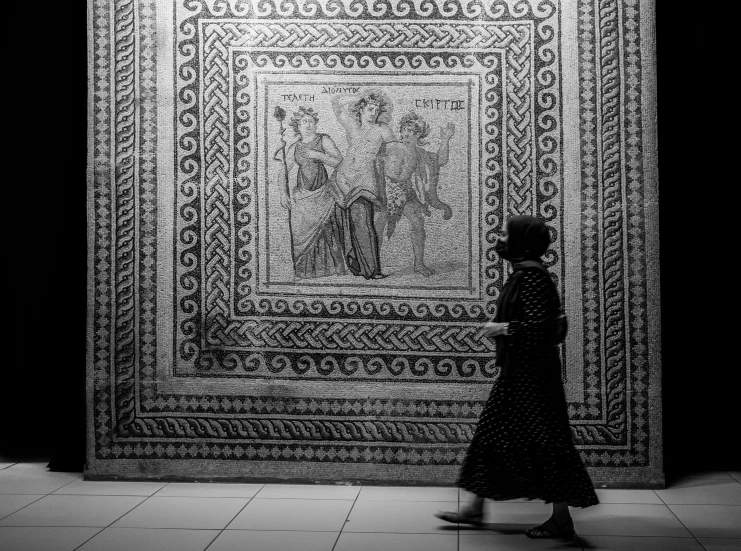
(527, 240)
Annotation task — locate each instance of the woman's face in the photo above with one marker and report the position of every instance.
(501, 247)
(307, 125)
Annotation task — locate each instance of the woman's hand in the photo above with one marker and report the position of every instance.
(494, 329)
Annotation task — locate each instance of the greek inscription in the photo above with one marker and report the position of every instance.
(297, 97)
(340, 89)
(440, 104)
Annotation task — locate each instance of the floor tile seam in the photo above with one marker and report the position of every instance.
(713, 537)
(217, 536)
(336, 541)
(226, 526)
(392, 501)
(706, 537)
(16, 511)
(153, 528)
(410, 500)
(125, 528)
(687, 537)
(438, 532)
(163, 487)
(87, 526)
(630, 503)
(686, 527)
(87, 540)
(221, 531)
(697, 485)
(637, 536)
(661, 498)
(129, 511)
(485, 532)
(26, 527)
(25, 494)
(262, 487)
(65, 485)
(103, 495)
(168, 483)
(347, 517)
(458, 532)
(448, 501)
(707, 504)
(266, 530)
(193, 497)
(306, 498)
(576, 538)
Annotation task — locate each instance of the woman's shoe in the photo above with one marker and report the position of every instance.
(551, 529)
(459, 518)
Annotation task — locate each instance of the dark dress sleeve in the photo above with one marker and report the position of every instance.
(537, 305)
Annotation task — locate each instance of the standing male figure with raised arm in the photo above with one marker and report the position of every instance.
(412, 174)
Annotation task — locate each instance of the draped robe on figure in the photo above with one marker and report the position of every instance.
(315, 228)
(358, 190)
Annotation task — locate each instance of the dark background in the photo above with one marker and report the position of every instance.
(43, 388)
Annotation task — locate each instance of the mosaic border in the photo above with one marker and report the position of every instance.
(113, 251)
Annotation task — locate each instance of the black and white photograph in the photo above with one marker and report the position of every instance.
(368, 275)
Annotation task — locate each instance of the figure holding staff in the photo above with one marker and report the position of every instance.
(316, 237)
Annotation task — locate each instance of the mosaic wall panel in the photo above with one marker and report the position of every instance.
(226, 340)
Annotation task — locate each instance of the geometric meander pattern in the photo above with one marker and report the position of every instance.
(224, 329)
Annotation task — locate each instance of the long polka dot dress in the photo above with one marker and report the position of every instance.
(522, 446)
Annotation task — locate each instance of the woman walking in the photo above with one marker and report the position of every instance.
(522, 446)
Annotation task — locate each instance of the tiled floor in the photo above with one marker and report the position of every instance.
(42, 510)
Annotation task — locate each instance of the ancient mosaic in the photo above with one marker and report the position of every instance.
(233, 143)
